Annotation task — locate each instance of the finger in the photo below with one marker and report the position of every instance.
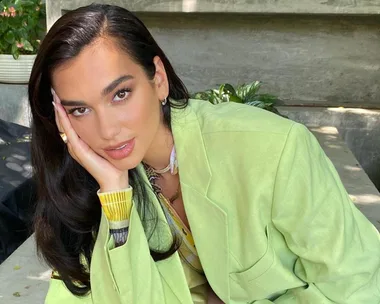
(57, 122)
(72, 153)
(64, 121)
(88, 159)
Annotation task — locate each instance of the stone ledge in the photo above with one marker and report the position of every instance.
(23, 278)
(357, 183)
(358, 128)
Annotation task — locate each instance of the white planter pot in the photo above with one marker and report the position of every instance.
(16, 71)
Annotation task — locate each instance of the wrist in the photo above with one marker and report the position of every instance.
(122, 184)
(113, 188)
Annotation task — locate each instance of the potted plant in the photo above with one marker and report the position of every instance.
(246, 93)
(22, 26)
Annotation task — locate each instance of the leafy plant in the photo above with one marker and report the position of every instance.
(21, 26)
(246, 93)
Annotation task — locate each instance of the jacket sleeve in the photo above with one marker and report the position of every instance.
(117, 207)
(58, 293)
(127, 273)
(338, 249)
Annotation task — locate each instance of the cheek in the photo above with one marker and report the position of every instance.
(85, 130)
(143, 116)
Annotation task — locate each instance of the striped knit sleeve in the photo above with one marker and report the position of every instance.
(117, 208)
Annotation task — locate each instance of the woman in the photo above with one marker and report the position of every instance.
(146, 196)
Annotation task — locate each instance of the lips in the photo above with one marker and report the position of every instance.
(121, 150)
(117, 146)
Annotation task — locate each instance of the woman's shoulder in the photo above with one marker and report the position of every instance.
(235, 117)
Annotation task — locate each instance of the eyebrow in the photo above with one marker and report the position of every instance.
(108, 89)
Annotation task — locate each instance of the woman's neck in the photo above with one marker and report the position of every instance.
(158, 154)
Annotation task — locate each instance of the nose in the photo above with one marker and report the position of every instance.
(108, 126)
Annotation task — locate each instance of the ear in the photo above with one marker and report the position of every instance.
(160, 79)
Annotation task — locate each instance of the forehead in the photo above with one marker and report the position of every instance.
(95, 67)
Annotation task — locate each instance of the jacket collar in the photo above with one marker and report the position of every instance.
(191, 153)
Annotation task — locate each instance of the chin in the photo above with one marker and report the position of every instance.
(127, 163)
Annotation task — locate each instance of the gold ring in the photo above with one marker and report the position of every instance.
(64, 137)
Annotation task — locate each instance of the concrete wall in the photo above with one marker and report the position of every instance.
(302, 59)
(241, 6)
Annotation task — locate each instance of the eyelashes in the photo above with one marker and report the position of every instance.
(118, 97)
(125, 91)
(71, 111)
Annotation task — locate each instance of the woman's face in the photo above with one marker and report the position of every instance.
(111, 103)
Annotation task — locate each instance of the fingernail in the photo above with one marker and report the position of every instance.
(52, 91)
(55, 107)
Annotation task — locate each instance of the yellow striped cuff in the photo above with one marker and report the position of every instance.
(116, 204)
(119, 224)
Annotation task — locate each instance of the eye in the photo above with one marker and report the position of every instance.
(78, 111)
(121, 94)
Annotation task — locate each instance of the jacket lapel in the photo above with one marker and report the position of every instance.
(170, 269)
(104, 288)
(207, 221)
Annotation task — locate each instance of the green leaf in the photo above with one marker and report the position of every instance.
(219, 91)
(27, 3)
(3, 25)
(215, 92)
(245, 93)
(267, 98)
(32, 22)
(9, 37)
(236, 99)
(15, 52)
(27, 45)
(14, 23)
(202, 95)
(214, 98)
(225, 97)
(23, 33)
(230, 89)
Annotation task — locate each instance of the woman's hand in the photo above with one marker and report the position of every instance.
(108, 177)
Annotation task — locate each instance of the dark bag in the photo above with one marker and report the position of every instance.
(17, 189)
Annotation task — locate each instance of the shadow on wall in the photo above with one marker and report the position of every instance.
(358, 185)
(359, 128)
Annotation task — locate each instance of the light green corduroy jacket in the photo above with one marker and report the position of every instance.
(271, 221)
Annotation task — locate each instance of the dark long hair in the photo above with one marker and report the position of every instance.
(68, 210)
